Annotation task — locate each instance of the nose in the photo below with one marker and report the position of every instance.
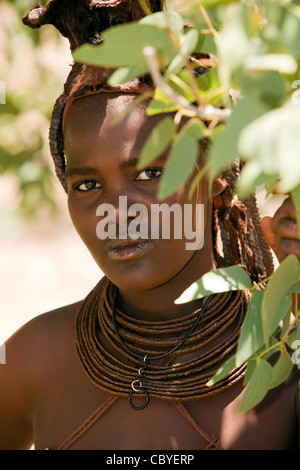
(122, 212)
(119, 212)
(118, 197)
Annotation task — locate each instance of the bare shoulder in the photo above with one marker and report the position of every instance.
(40, 346)
(36, 356)
(42, 333)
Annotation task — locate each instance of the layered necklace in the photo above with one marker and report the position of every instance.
(123, 355)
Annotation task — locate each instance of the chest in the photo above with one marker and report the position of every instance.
(94, 420)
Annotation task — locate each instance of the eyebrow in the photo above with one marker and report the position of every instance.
(81, 170)
(129, 163)
(88, 170)
(134, 161)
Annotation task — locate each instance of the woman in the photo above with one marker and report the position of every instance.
(127, 368)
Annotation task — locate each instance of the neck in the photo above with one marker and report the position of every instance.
(158, 303)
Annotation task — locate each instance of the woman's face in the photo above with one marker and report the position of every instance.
(101, 167)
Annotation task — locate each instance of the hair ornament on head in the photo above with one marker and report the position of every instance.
(82, 21)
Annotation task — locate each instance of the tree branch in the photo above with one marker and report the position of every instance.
(206, 112)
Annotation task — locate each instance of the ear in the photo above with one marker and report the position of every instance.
(219, 186)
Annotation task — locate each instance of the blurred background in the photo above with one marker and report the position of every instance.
(43, 263)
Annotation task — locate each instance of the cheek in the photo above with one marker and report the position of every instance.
(84, 219)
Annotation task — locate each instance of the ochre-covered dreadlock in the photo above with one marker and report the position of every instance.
(82, 21)
(238, 223)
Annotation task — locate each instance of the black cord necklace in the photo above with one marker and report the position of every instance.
(137, 383)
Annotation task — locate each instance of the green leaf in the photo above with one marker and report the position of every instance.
(212, 3)
(296, 201)
(209, 87)
(176, 65)
(258, 386)
(220, 280)
(285, 326)
(181, 84)
(179, 166)
(188, 44)
(295, 288)
(278, 287)
(161, 104)
(283, 310)
(225, 142)
(123, 46)
(206, 44)
(251, 336)
(160, 107)
(157, 142)
(252, 363)
(125, 74)
(292, 338)
(169, 20)
(281, 369)
(283, 63)
(252, 177)
(194, 128)
(273, 141)
(208, 81)
(232, 48)
(225, 368)
(282, 32)
(266, 86)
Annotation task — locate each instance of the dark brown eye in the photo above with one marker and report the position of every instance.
(149, 174)
(87, 186)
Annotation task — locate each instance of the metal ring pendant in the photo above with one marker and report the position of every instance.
(146, 394)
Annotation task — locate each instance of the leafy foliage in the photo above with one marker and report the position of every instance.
(249, 102)
(261, 334)
(32, 76)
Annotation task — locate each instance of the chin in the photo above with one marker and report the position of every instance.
(144, 273)
(133, 284)
(136, 279)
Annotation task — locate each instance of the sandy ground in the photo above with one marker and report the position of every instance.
(43, 265)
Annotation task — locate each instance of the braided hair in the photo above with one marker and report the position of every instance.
(236, 223)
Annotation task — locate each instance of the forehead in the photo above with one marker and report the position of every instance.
(109, 117)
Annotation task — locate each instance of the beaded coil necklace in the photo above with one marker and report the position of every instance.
(206, 337)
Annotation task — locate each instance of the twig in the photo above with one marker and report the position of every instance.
(144, 7)
(205, 113)
(208, 20)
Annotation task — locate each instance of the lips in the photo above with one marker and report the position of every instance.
(129, 249)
